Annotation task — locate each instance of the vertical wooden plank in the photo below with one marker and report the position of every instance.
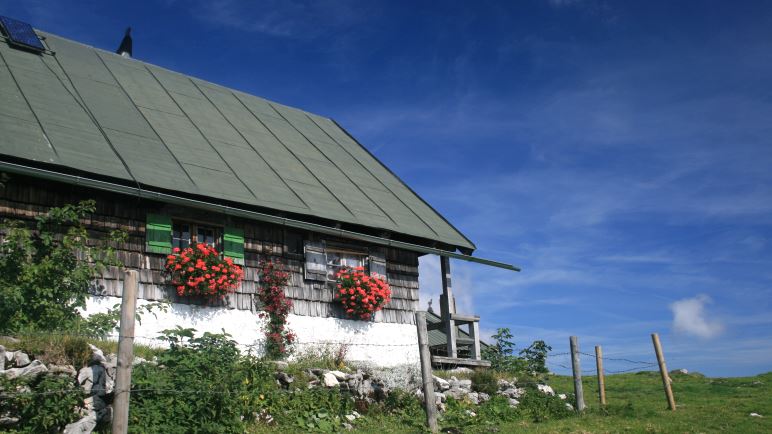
(474, 333)
(447, 306)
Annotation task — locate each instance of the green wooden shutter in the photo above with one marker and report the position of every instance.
(158, 234)
(233, 244)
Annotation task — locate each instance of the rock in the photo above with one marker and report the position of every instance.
(67, 370)
(457, 393)
(562, 396)
(280, 365)
(350, 417)
(465, 384)
(470, 413)
(340, 376)
(440, 384)
(97, 356)
(9, 356)
(513, 392)
(348, 426)
(474, 397)
(284, 379)
(2, 358)
(483, 397)
(20, 359)
(83, 426)
(461, 370)
(569, 406)
(94, 381)
(316, 371)
(513, 402)
(440, 397)
(547, 390)
(755, 415)
(8, 421)
(138, 361)
(504, 384)
(32, 370)
(329, 380)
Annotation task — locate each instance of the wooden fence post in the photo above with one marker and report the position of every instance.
(663, 371)
(426, 371)
(601, 375)
(125, 353)
(578, 389)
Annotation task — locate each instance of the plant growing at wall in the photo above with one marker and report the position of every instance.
(45, 274)
(200, 271)
(276, 306)
(361, 295)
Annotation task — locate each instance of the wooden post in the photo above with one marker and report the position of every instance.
(474, 333)
(663, 371)
(426, 371)
(448, 306)
(125, 353)
(601, 375)
(578, 389)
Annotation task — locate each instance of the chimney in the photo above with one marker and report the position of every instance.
(125, 48)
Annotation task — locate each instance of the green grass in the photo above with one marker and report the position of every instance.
(64, 349)
(636, 404)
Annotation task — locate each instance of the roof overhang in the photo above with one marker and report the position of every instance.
(239, 212)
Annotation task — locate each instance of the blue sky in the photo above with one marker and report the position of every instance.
(619, 152)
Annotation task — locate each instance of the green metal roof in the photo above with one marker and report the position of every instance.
(95, 111)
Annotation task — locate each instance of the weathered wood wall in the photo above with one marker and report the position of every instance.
(24, 198)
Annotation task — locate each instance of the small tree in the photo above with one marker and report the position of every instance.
(535, 357)
(45, 273)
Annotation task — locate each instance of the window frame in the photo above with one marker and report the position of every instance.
(194, 225)
(330, 276)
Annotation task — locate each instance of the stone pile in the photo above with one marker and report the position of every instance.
(97, 380)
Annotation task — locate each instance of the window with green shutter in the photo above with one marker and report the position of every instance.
(233, 244)
(158, 234)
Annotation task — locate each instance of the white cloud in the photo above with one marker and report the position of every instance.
(690, 317)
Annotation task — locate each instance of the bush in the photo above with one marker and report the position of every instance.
(541, 406)
(485, 381)
(201, 385)
(45, 274)
(45, 404)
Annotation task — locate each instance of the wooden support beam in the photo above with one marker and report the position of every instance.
(447, 305)
(439, 360)
(474, 333)
(460, 318)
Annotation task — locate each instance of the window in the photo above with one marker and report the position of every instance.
(338, 259)
(184, 234)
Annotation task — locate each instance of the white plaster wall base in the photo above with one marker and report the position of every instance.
(378, 344)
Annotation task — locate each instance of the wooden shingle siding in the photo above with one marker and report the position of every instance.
(25, 198)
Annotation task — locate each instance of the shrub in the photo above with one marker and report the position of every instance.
(45, 404)
(278, 338)
(531, 360)
(485, 381)
(541, 406)
(201, 385)
(45, 274)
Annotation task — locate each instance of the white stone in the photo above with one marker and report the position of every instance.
(340, 376)
(351, 417)
(569, 406)
(440, 383)
(474, 397)
(547, 390)
(329, 380)
(20, 359)
(97, 356)
(246, 328)
(83, 426)
(756, 415)
(32, 370)
(562, 396)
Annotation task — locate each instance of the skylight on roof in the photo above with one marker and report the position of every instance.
(21, 34)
